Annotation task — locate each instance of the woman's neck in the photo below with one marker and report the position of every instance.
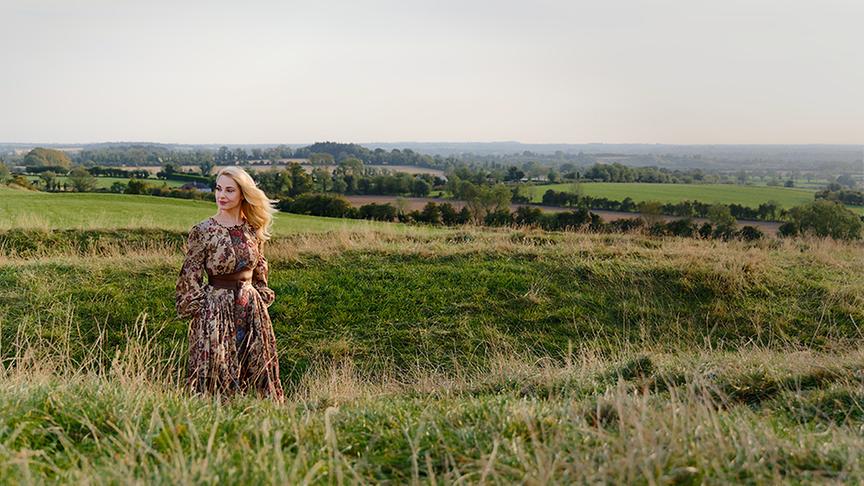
(229, 216)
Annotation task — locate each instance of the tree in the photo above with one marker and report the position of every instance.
(4, 172)
(351, 166)
(81, 180)
(135, 186)
(48, 179)
(47, 157)
(724, 222)
(206, 166)
(846, 180)
(323, 179)
(514, 174)
(339, 185)
(651, 212)
(274, 183)
(420, 188)
(301, 181)
(826, 218)
(169, 169)
(321, 159)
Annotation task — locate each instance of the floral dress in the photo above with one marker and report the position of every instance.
(232, 347)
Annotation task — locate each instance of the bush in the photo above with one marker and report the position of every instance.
(378, 212)
(826, 218)
(498, 218)
(319, 205)
(750, 233)
(681, 227)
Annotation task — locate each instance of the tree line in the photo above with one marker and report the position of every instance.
(768, 211)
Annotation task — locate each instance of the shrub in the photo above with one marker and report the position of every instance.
(750, 233)
(826, 218)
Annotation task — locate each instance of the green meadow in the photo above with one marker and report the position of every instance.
(106, 182)
(751, 196)
(47, 211)
(467, 355)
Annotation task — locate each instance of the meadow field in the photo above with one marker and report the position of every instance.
(106, 182)
(468, 355)
(48, 211)
(751, 196)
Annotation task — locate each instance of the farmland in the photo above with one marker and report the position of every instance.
(751, 196)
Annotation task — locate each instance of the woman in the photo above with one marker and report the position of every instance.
(232, 347)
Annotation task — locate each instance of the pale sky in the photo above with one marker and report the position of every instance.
(253, 71)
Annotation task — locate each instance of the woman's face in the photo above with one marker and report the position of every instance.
(228, 195)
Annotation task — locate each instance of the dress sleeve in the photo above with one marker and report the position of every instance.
(190, 286)
(259, 278)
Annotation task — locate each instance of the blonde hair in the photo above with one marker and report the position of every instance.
(256, 207)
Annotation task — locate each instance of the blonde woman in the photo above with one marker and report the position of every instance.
(232, 347)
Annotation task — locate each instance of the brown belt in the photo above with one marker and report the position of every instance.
(230, 280)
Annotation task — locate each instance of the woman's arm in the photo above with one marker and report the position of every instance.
(189, 292)
(259, 278)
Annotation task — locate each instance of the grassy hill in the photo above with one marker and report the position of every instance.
(463, 355)
(751, 196)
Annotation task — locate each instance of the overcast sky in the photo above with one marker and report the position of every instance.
(674, 71)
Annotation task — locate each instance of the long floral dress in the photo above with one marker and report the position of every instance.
(232, 347)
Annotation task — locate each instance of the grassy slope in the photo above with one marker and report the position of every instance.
(672, 361)
(387, 302)
(750, 196)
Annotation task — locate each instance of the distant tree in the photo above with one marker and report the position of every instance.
(846, 180)
(751, 233)
(724, 223)
(206, 166)
(117, 187)
(275, 183)
(49, 179)
(321, 159)
(169, 169)
(323, 179)
(431, 214)
(420, 188)
(350, 166)
(135, 186)
(301, 181)
(789, 183)
(81, 180)
(41, 157)
(825, 218)
(4, 172)
(339, 185)
(768, 211)
(651, 212)
(514, 174)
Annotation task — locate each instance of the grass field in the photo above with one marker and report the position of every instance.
(462, 356)
(106, 182)
(751, 196)
(32, 209)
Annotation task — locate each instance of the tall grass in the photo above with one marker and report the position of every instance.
(466, 356)
(753, 415)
